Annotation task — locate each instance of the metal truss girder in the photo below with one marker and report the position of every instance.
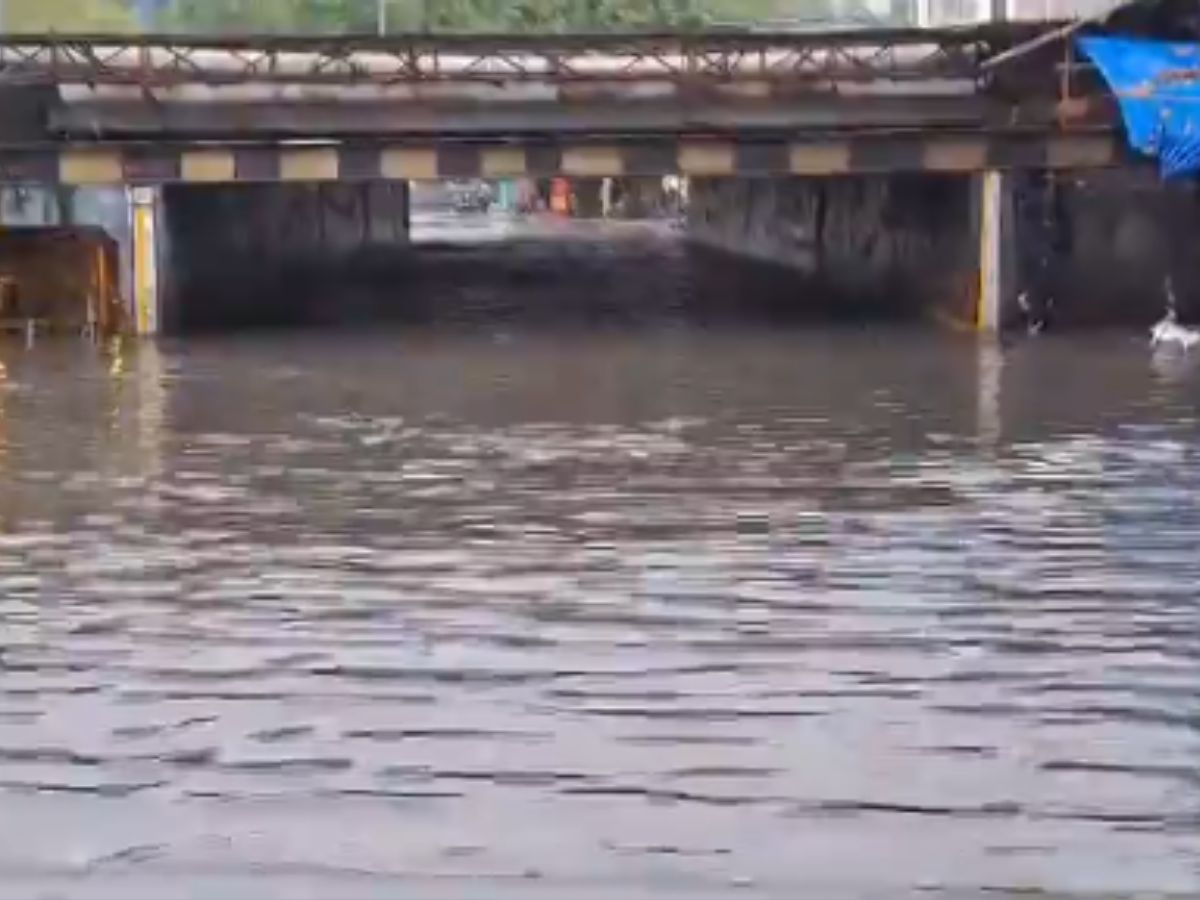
(850, 55)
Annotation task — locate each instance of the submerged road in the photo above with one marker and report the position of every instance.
(666, 612)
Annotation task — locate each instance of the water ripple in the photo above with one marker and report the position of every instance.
(672, 614)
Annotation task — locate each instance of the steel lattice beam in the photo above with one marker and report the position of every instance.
(848, 55)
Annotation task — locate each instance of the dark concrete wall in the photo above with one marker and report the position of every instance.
(850, 245)
(247, 254)
(26, 109)
(1098, 243)
(1115, 235)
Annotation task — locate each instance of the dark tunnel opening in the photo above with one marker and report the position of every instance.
(363, 256)
(900, 248)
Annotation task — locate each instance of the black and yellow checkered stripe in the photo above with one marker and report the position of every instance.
(158, 164)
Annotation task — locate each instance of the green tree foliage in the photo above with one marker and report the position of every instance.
(359, 16)
(67, 15)
(271, 15)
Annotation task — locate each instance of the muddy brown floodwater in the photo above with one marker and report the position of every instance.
(665, 613)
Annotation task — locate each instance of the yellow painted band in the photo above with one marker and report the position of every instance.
(968, 155)
(90, 167)
(706, 159)
(405, 163)
(207, 166)
(592, 162)
(498, 162)
(316, 164)
(819, 158)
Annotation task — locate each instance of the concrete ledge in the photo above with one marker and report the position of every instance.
(166, 163)
(501, 115)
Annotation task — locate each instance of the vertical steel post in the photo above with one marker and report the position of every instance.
(143, 203)
(996, 291)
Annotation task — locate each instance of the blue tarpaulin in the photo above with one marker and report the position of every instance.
(1158, 87)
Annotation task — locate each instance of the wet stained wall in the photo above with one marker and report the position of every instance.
(1094, 247)
(253, 254)
(851, 245)
(1119, 234)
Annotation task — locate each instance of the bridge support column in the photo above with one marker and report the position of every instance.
(996, 301)
(143, 205)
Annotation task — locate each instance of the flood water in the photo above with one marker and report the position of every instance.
(663, 613)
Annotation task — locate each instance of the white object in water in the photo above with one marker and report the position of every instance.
(1169, 333)
(1036, 321)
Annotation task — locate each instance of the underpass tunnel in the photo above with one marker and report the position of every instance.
(930, 248)
(596, 252)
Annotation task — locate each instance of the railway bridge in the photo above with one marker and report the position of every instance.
(200, 142)
(161, 109)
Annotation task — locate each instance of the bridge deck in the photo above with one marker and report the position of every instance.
(154, 108)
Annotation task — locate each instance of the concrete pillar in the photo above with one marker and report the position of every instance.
(144, 228)
(997, 257)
